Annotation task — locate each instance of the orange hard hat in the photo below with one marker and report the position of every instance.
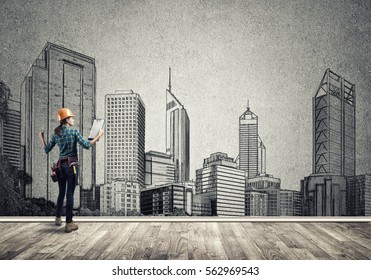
(64, 113)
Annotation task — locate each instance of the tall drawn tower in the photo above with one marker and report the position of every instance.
(334, 147)
(125, 137)
(334, 126)
(177, 135)
(59, 77)
(248, 143)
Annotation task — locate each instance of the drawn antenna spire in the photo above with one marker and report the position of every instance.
(169, 79)
(248, 107)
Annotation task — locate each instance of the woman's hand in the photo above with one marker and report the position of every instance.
(41, 136)
(96, 139)
(101, 132)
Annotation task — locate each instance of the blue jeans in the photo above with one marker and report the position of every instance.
(69, 180)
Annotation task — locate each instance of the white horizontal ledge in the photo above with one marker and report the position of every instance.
(155, 219)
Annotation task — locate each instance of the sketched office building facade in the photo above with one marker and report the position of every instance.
(159, 168)
(334, 147)
(124, 148)
(59, 77)
(10, 127)
(222, 184)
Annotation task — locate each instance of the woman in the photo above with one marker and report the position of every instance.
(66, 139)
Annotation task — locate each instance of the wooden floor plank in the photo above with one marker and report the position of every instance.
(178, 243)
(110, 234)
(187, 240)
(333, 247)
(19, 229)
(48, 245)
(213, 243)
(268, 247)
(296, 248)
(296, 240)
(196, 242)
(359, 252)
(361, 228)
(87, 241)
(245, 241)
(231, 246)
(114, 249)
(160, 247)
(148, 239)
(274, 234)
(329, 230)
(138, 246)
(21, 241)
(9, 228)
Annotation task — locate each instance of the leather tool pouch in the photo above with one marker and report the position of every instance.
(56, 173)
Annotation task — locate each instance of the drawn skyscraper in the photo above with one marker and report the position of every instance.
(177, 135)
(10, 126)
(125, 137)
(334, 137)
(124, 152)
(248, 143)
(334, 142)
(58, 78)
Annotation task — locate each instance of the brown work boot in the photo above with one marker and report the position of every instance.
(58, 221)
(70, 227)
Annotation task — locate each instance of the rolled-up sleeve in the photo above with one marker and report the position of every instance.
(48, 147)
(84, 143)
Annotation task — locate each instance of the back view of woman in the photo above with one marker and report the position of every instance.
(67, 138)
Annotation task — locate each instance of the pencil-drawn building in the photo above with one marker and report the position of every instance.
(334, 126)
(201, 205)
(119, 197)
(291, 204)
(220, 182)
(125, 137)
(358, 201)
(324, 195)
(10, 126)
(59, 77)
(269, 185)
(159, 168)
(334, 142)
(177, 135)
(166, 199)
(256, 203)
(252, 153)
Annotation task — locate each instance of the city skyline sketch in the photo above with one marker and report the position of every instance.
(222, 56)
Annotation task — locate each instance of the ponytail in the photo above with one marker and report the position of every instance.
(58, 129)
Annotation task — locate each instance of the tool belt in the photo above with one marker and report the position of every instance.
(57, 173)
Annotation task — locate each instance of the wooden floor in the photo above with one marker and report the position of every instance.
(187, 240)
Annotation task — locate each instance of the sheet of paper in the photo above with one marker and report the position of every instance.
(98, 124)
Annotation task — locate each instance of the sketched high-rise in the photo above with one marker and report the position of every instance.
(177, 135)
(124, 152)
(248, 143)
(334, 147)
(334, 126)
(10, 126)
(125, 137)
(59, 77)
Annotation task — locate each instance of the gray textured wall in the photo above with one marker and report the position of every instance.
(222, 53)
